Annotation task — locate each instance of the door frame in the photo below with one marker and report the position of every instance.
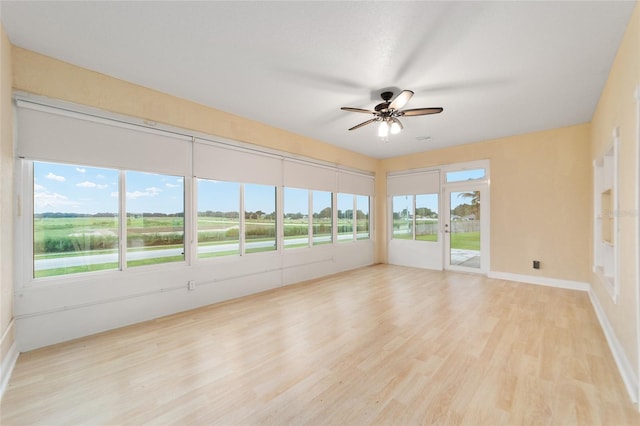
(483, 185)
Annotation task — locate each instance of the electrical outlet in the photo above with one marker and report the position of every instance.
(536, 264)
(191, 285)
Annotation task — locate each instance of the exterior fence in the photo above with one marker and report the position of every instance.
(456, 226)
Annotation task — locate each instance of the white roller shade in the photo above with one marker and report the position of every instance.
(226, 163)
(298, 174)
(48, 134)
(413, 183)
(355, 183)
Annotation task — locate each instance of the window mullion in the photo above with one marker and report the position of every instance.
(122, 231)
(242, 221)
(354, 218)
(413, 219)
(310, 219)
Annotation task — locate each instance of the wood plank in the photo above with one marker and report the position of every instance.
(377, 345)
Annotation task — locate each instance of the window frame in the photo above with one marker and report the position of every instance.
(25, 226)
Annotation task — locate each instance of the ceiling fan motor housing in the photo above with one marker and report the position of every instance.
(386, 97)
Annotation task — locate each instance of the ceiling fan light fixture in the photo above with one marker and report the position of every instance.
(396, 126)
(388, 111)
(383, 130)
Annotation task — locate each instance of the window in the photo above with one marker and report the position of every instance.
(402, 207)
(426, 217)
(322, 217)
(218, 218)
(75, 219)
(296, 218)
(260, 218)
(464, 175)
(362, 217)
(415, 217)
(155, 218)
(345, 217)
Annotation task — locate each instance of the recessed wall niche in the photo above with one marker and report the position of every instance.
(605, 198)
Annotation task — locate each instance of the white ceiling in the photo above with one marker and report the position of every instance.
(497, 68)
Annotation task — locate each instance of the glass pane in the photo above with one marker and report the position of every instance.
(463, 175)
(155, 218)
(296, 218)
(75, 220)
(345, 218)
(465, 229)
(427, 217)
(322, 218)
(260, 218)
(362, 217)
(218, 218)
(403, 217)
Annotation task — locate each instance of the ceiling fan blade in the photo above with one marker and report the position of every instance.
(420, 111)
(365, 111)
(363, 124)
(401, 99)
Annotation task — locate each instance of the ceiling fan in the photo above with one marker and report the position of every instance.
(388, 111)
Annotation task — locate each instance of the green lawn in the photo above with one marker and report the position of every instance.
(465, 240)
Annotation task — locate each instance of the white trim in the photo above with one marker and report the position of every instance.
(544, 281)
(624, 366)
(8, 361)
(637, 99)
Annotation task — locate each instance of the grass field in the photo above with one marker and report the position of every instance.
(69, 237)
(465, 240)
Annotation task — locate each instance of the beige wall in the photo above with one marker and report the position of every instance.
(6, 197)
(540, 185)
(618, 108)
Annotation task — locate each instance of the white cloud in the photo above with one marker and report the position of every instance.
(88, 184)
(51, 176)
(37, 187)
(170, 185)
(101, 176)
(148, 192)
(80, 170)
(52, 201)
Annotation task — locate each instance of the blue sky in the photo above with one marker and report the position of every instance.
(61, 188)
(80, 189)
(72, 189)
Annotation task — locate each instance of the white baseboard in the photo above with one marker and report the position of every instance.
(545, 281)
(624, 366)
(8, 363)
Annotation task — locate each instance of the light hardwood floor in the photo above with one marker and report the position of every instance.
(378, 345)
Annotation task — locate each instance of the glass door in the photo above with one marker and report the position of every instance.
(465, 242)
